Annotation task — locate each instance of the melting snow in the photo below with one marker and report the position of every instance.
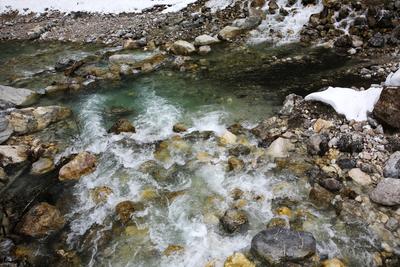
(393, 79)
(354, 105)
(103, 6)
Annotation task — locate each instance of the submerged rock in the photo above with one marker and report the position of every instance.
(29, 120)
(320, 196)
(173, 249)
(122, 126)
(387, 192)
(83, 164)
(17, 96)
(183, 48)
(387, 109)
(41, 221)
(280, 245)
(392, 166)
(227, 138)
(235, 164)
(125, 209)
(238, 260)
(100, 194)
(234, 221)
(42, 166)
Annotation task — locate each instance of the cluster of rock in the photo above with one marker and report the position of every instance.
(355, 25)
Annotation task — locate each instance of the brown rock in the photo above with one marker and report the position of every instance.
(122, 126)
(320, 196)
(387, 109)
(126, 208)
(42, 166)
(235, 164)
(179, 128)
(83, 164)
(234, 221)
(173, 249)
(100, 194)
(41, 220)
(238, 260)
(333, 263)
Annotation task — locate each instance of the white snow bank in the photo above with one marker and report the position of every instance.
(351, 103)
(101, 6)
(393, 79)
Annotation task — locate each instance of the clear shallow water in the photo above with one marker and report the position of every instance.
(184, 210)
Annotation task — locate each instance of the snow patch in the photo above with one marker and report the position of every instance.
(393, 79)
(103, 6)
(354, 105)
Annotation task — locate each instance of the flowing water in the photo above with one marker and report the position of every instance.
(181, 211)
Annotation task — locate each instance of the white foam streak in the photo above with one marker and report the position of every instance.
(284, 30)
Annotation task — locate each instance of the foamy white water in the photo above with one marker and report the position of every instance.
(278, 29)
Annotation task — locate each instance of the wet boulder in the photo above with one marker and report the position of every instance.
(7, 248)
(234, 221)
(29, 120)
(122, 126)
(320, 196)
(154, 169)
(280, 148)
(331, 184)
(42, 166)
(387, 109)
(205, 40)
(238, 260)
(392, 166)
(378, 40)
(279, 245)
(17, 96)
(100, 194)
(5, 129)
(360, 177)
(332, 263)
(344, 41)
(179, 128)
(227, 138)
(387, 192)
(82, 164)
(239, 150)
(183, 48)
(10, 155)
(235, 164)
(248, 23)
(229, 32)
(41, 220)
(125, 209)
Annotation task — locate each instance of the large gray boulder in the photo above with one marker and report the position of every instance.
(387, 192)
(17, 96)
(278, 245)
(181, 47)
(392, 166)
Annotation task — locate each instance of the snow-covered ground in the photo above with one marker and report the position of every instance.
(354, 105)
(101, 6)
